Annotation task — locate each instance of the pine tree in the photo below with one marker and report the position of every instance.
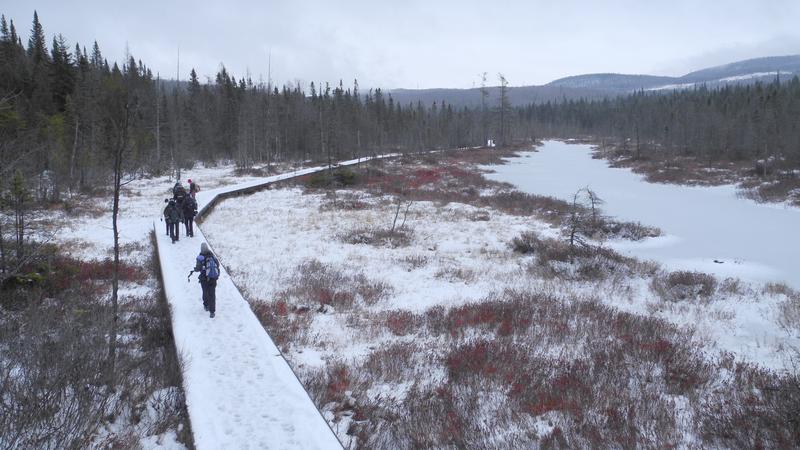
(13, 33)
(96, 59)
(62, 72)
(5, 35)
(37, 49)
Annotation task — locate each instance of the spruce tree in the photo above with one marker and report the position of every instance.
(37, 50)
(96, 59)
(13, 32)
(61, 72)
(5, 35)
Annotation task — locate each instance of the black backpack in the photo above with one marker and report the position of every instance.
(189, 206)
(178, 191)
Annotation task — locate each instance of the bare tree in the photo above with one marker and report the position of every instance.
(484, 109)
(121, 131)
(504, 107)
(584, 218)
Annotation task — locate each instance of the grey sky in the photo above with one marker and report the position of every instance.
(413, 43)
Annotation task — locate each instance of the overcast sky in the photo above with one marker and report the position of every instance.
(422, 43)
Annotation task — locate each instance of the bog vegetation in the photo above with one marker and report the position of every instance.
(546, 357)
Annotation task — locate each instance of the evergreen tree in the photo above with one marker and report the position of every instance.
(37, 49)
(61, 72)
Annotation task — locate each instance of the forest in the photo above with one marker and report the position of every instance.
(64, 109)
(733, 123)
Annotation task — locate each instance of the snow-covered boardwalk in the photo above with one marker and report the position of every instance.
(240, 391)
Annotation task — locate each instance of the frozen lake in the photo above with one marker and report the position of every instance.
(701, 224)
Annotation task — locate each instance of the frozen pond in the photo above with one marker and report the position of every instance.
(701, 224)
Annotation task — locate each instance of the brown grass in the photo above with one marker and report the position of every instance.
(378, 236)
(606, 380)
(684, 285)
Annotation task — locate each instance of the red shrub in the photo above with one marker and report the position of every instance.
(546, 404)
(400, 322)
(338, 382)
(422, 177)
(470, 359)
(280, 308)
(503, 317)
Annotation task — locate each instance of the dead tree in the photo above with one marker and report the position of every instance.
(585, 218)
(121, 129)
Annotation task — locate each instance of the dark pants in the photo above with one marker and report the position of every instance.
(189, 223)
(209, 294)
(174, 230)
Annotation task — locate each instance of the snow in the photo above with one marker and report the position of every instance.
(753, 241)
(240, 391)
(288, 226)
(731, 79)
(90, 236)
(753, 75)
(297, 227)
(672, 87)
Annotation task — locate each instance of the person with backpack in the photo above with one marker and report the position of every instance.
(166, 222)
(193, 188)
(189, 207)
(178, 191)
(173, 216)
(208, 266)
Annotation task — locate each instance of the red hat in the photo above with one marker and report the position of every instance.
(190, 180)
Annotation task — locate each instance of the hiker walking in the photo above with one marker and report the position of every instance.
(178, 191)
(173, 216)
(165, 219)
(193, 188)
(189, 207)
(208, 266)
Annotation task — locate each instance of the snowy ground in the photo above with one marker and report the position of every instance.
(88, 229)
(709, 229)
(290, 227)
(84, 231)
(274, 241)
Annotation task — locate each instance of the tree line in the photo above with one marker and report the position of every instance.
(63, 109)
(754, 122)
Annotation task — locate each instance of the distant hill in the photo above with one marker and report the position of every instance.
(612, 81)
(750, 68)
(600, 85)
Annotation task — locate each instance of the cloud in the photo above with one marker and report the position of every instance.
(417, 43)
(777, 46)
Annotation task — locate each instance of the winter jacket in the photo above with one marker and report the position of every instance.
(173, 214)
(189, 207)
(200, 266)
(178, 191)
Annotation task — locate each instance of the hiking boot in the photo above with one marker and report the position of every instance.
(212, 314)
(205, 307)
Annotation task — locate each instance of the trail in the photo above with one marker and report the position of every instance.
(240, 391)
